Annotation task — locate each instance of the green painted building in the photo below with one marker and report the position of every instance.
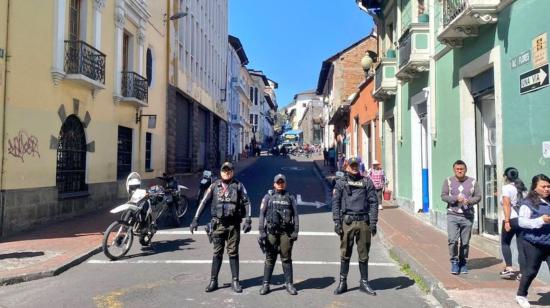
(461, 79)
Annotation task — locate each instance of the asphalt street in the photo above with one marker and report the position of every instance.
(174, 271)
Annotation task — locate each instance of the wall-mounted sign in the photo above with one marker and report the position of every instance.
(546, 149)
(540, 50)
(524, 57)
(533, 80)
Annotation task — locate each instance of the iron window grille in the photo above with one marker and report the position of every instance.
(83, 59)
(124, 152)
(451, 9)
(134, 85)
(71, 158)
(148, 144)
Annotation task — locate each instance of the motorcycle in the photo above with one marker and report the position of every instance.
(178, 203)
(138, 218)
(206, 181)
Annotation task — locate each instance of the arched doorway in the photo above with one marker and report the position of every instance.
(71, 158)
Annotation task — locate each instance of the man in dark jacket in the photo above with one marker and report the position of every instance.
(229, 205)
(355, 214)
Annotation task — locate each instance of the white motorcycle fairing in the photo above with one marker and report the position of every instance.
(124, 207)
(181, 187)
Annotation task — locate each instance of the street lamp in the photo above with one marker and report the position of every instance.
(367, 63)
(177, 15)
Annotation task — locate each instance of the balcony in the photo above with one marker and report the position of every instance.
(462, 18)
(235, 120)
(414, 55)
(84, 65)
(385, 83)
(134, 89)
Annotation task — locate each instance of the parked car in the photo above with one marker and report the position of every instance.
(290, 146)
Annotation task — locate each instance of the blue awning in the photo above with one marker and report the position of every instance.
(293, 132)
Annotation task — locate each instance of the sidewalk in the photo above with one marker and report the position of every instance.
(424, 248)
(52, 249)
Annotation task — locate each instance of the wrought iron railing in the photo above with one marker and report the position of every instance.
(405, 50)
(81, 58)
(134, 85)
(451, 9)
(378, 77)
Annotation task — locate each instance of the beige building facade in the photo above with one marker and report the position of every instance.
(82, 100)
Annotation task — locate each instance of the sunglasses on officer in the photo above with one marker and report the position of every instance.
(227, 170)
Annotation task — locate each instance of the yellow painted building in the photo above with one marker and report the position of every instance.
(78, 81)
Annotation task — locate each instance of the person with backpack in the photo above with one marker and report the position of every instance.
(510, 199)
(534, 219)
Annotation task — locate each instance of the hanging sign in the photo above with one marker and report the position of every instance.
(533, 80)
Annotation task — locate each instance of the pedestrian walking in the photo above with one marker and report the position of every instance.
(534, 219)
(461, 193)
(510, 199)
(229, 204)
(278, 228)
(355, 215)
(341, 161)
(325, 157)
(378, 178)
(332, 157)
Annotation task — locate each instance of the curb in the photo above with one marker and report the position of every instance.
(49, 273)
(434, 285)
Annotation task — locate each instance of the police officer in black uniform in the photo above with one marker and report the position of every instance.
(355, 214)
(229, 205)
(278, 228)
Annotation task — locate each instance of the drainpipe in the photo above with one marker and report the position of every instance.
(3, 132)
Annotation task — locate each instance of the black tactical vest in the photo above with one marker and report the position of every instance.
(280, 213)
(354, 196)
(225, 202)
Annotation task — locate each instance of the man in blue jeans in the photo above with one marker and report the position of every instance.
(461, 193)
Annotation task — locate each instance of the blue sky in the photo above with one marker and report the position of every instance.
(289, 39)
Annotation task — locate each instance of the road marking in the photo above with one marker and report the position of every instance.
(202, 232)
(316, 204)
(293, 168)
(378, 264)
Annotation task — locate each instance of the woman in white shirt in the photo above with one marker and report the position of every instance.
(534, 219)
(512, 192)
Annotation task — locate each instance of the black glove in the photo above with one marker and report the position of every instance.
(194, 225)
(338, 229)
(263, 235)
(247, 226)
(294, 236)
(372, 230)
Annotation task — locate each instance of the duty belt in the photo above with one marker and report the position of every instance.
(356, 217)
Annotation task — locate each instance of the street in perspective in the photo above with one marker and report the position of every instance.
(232, 153)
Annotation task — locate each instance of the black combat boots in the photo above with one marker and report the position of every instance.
(287, 270)
(268, 271)
(343, 285)
(216, 265)
(234, 264)
(364, 283)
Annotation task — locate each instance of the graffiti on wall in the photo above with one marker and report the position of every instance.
(23, 145)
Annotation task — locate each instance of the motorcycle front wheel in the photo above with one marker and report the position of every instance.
(180, 208)
(117, 240)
